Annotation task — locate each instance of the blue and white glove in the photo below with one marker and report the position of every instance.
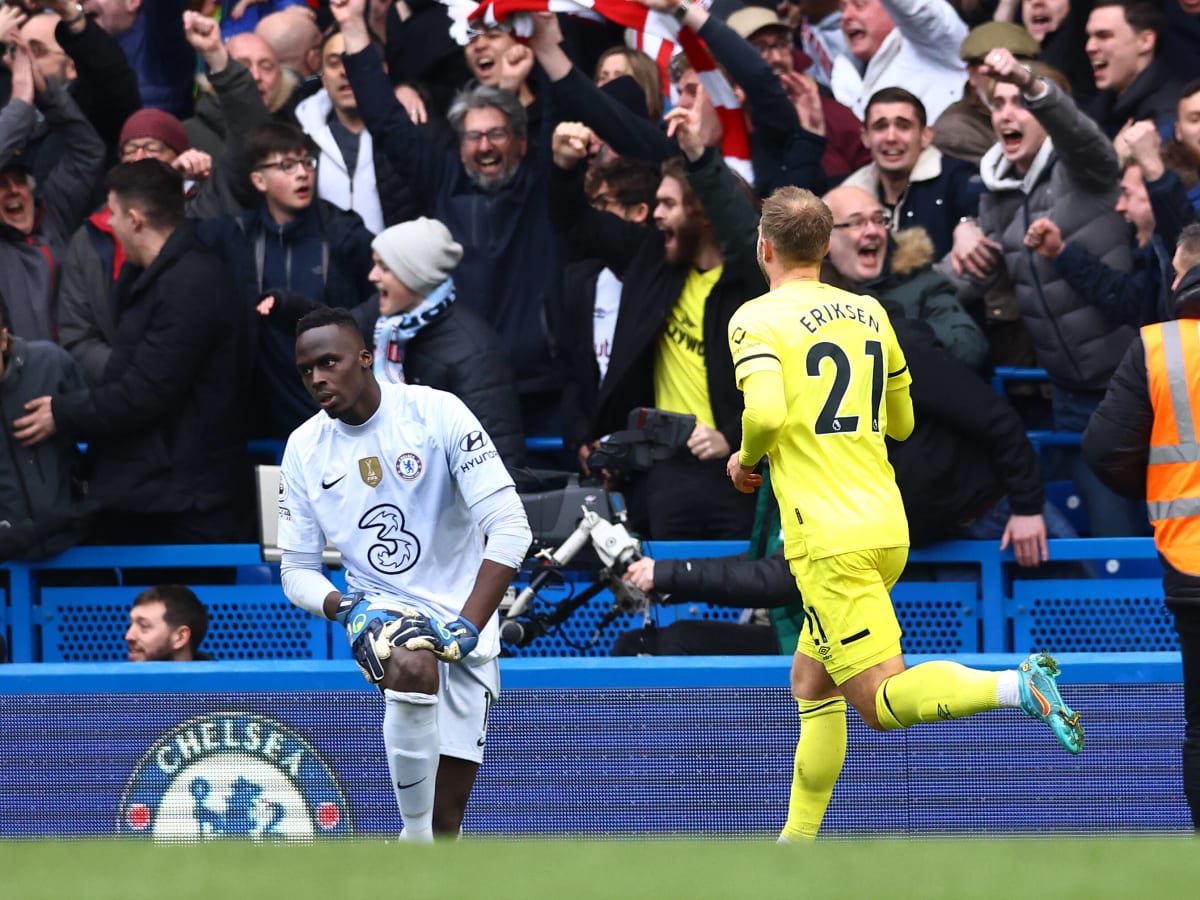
(450, 642)
(364, 630)
(370, 651)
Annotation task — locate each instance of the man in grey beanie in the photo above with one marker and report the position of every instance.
(421, 336)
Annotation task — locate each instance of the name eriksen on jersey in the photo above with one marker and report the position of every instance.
(828, 313)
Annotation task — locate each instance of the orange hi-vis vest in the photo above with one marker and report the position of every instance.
(1173, 472)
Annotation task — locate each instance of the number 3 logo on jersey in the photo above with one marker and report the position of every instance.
(396, 550)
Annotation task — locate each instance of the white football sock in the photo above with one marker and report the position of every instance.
(410, 735)
(1008, 689)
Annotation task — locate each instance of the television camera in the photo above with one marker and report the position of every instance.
(582, 528)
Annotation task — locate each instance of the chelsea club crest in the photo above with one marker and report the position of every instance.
(409, 466)
(233, 774)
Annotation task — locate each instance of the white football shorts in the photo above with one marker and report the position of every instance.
(466, 694)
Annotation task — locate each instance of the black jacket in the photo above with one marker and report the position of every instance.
(652, 287)
(164, 425)
(42, 508)
(968, 448)
(460, 353)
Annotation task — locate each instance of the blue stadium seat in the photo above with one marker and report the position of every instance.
(1064, 495)
(246, 622)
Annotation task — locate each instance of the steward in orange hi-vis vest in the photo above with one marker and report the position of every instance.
(1173, 469)
(1142, 442)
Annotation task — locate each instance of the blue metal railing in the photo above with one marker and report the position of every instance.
(996, 571)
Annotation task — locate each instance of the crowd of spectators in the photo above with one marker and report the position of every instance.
(558, 227)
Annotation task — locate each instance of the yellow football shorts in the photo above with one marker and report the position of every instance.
(849, 621)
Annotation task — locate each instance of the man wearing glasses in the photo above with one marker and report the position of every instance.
(290, 252)
(868, 259)
(490, 194)
(804, 75)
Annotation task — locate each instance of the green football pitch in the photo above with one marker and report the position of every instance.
(574, 870)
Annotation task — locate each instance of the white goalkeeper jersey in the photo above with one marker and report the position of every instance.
(394, 496)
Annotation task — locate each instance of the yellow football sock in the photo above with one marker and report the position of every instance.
(820, 753)
(935, 691)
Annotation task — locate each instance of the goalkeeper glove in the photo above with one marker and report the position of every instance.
(449, 642)
(367, 649)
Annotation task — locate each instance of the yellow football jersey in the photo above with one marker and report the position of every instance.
(680, 370)
(829, 468)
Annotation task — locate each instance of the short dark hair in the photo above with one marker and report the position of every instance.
(481, 96)
(1189, 243)
(326, 36)
(798, 225)
(327, 315)
(1192, 87)
(277, 137)
(152, 187)
(897, 95)
(181, 607)
(333, 31)
(1142, 15)
(630, 181)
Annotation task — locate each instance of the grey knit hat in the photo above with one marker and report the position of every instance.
(420, 252)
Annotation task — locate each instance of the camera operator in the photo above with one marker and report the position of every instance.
(720, 581)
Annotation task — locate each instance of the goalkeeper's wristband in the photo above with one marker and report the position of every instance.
(346, 604)
(465, 634)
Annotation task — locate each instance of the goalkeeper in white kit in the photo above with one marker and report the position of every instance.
(404, 481)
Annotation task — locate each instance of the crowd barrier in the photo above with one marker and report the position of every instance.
(1101, 595)
(279, 738)
(576, 747)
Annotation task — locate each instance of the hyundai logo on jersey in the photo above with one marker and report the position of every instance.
(472, 442)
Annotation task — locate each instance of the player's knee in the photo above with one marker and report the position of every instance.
(809, 683)
(870, 718)
(863, 694)
(411, 671)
